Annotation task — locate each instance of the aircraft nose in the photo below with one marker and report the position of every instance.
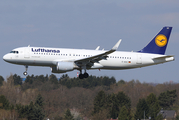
(5, 57)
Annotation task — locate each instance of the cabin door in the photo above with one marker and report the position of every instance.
(27, 52)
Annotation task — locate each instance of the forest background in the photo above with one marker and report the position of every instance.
(91, 98)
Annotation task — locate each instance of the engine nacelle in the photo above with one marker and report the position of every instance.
(63, 67)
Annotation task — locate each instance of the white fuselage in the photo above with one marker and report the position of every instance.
(41, 56)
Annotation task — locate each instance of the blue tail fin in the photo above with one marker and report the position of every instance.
(159, 43)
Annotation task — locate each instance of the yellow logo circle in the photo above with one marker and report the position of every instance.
(161, 40)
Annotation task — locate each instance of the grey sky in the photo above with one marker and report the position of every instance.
(87, 24)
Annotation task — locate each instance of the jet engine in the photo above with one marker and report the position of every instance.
(63, 67)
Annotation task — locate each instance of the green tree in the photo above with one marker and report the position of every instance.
(64, 76)
(123, 114)
(112, 106)
(167, 99)
(1, 80)
(108, 81)
(53, 79)
(38, 108)
(17, 79)
(4, 103)
(41, 78)
(91, 81)
(123, 100)
(39, 101)
(142, 108)
(114, 103)
(154, 106)
(29, 79)
(23, 110)
(32, 111)
(99, 102)
(38, 113)
(30, 114)
(159, 117)
(121, 82)
(65, 80)
(68, 115)
(177, 117)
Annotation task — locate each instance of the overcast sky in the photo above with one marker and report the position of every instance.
(87, 24)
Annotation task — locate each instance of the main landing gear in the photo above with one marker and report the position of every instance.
(26, 67)
(85, 75)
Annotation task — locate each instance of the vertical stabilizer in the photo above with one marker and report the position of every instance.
(159, 43)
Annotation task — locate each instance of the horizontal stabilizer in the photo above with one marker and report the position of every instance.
(162, 57)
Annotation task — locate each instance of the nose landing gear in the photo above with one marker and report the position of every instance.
(26, 67)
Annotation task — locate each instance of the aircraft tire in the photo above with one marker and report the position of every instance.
(25, 73)
(86, 75)
(81, 76)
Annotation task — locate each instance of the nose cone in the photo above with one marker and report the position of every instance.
(5, 57)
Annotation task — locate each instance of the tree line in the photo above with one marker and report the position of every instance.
(96, 98)
(119, 105)
(65, 80)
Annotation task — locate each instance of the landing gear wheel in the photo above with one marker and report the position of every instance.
(85, 75)
(81, 76)
(25, 73)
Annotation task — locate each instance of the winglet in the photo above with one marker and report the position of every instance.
(97, 48)
(117, 45)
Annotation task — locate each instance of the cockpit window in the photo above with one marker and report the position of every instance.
(16, 52)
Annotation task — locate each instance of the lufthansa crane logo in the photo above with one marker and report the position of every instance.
(161, 40)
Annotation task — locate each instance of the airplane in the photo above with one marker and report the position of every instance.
(63, 60)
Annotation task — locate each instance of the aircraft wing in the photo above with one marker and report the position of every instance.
(96, 58)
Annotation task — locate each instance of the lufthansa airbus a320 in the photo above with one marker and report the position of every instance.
(62, 60)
